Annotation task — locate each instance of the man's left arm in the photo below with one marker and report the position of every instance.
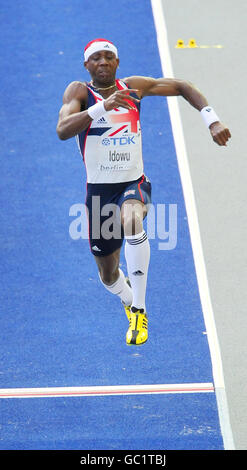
(174, 87)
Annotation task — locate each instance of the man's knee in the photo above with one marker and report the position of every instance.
(108, 276)
(108, 268)
(132, 225)
(132, 216)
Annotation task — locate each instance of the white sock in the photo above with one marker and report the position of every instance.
(137, 254)
(120, 288)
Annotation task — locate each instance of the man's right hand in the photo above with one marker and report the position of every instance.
(120, 98)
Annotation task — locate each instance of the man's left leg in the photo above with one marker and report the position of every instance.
(137, 255)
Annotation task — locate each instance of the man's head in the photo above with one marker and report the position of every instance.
(101, 60)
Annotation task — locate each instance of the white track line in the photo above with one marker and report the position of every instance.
(106, 390)
(162, 38)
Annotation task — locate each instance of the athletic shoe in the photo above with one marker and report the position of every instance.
(127, 308)
(138, 327)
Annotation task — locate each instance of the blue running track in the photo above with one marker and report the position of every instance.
(59, 327)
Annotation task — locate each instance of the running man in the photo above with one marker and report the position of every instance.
(104, 116)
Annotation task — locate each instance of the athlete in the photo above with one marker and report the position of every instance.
(104, 116)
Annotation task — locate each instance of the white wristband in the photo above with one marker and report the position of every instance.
(97, 110)
(209, 115)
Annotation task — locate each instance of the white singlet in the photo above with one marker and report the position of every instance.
(111, 146)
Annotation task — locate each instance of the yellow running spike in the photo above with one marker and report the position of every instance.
(127, 309)
(138, 328)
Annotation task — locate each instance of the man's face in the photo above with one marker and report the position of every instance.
(102, 67)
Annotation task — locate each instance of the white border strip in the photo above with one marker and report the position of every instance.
(105, 390)
(162, 38)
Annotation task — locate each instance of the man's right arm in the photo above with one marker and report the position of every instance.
(71, 119)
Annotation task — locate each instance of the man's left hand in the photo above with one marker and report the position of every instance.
(220, 133)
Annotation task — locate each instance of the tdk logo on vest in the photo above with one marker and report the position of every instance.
(118, 140)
